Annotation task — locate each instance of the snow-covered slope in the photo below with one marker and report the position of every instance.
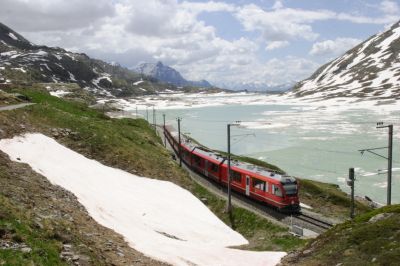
(168, 74)
(156, 217)
(369, 71)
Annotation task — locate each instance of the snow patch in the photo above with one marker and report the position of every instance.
(138, 82)
(303, 205)
(12, 36)
(58, 56)
(19, 69)
(59, 93)
(158, 218)
(71, 76)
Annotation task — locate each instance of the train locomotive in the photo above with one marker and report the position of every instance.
(259, 183)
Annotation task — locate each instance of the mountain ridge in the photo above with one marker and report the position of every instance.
(24, 62)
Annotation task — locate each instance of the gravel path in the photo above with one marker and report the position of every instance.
(14, 106)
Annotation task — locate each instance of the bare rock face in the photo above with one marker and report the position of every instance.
(380, 217)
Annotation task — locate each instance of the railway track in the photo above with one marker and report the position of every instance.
(316, 222)
(302, 219)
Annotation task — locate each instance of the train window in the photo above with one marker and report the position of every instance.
(259, 184)
(276, 191)
(236, 177)
(213, 167)
(266, 187)
(197, 160)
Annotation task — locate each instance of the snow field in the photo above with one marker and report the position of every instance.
(157, 218)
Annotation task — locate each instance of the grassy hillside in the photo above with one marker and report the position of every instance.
(32, 246)
(328, 199)
(132, 145)
(370, 239)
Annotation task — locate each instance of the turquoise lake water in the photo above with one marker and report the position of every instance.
(306, 141)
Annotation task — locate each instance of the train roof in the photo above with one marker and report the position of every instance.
(259, 170)
(211, 154)
(262, 171)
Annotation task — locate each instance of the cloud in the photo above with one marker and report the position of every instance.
(211, 6)
(389, 7)
(276, 45)
(332, 48)
(277, 5)
(390, 14)
(42, 15)
(281, 24)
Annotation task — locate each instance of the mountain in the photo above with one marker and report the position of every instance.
(26, 63)
(371, 70)
(259, 86)
(168, 74)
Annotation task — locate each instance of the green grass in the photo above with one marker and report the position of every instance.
(132, 145)
(328, 198)
(16, 227)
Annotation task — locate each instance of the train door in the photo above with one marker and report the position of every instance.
(247, 185)
(206, 168)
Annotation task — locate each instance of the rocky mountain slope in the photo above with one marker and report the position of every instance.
(168, 74)
(370, 70)
(24, 62)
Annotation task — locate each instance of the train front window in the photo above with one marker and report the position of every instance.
(290, 189)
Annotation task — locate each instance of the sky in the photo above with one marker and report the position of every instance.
(229, 43)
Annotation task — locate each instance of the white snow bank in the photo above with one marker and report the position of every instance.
(156, 217)
(59, 93)
(138, 82)
(303, 205)
(12, 36)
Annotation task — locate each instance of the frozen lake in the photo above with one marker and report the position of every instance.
(314, 140)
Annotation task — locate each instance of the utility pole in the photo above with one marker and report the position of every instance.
(147, 114)
(390, 161)
(350, 182)
(179, 141)
(389, 158)
(229, 208)
(165, 139)
(154, 118)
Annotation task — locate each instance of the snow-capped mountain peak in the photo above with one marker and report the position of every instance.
(371, 70)
(167, 74)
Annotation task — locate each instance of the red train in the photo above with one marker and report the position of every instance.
(259, 183)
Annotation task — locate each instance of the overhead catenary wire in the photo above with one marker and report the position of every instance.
(316, 122)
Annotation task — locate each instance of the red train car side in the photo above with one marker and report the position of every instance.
(280, 191)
